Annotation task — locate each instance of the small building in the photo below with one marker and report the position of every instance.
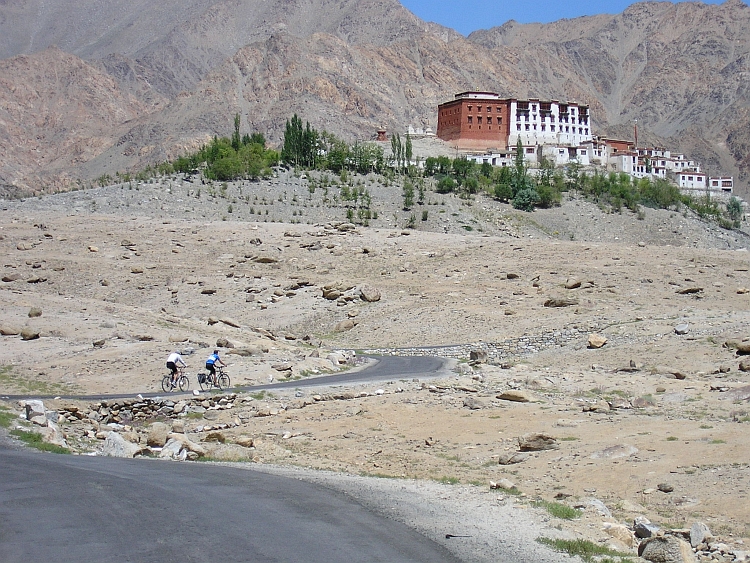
(723, 184)
(690, 180)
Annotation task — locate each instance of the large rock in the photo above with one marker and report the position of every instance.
(35, 312)
(621, 533)
(28, 333)
(666, 549)
(230, 322)
(369, 294)
(52, 435)
(517, 396)
(512, 458)
(117, 446)
(743, 347)
(699, 532)
(560, 302)
(35, 412)
(345, 325)
(643, 527)
(7, 330)
(537, 442)
(157, 434)
(480, 356)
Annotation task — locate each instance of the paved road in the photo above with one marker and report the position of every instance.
(77, 508)
(384, 368)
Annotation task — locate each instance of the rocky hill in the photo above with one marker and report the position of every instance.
(147, 82)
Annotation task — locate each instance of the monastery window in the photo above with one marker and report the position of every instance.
(497, 109)
(479, 120)
(518, 127)
(726, 183)
(551, 127)
(500, 120)
(468, 107)
(471, 119)
(479, 108)
(527, 127)
(690, 178)
(489, 119)
(529, 150)
(544, 127)
(567, 129)
(489, 109)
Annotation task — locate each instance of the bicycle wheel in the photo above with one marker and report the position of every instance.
(183, 382)
(204, 380)
(223, 382)
(166, 383)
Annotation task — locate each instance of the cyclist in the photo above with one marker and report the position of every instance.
(211, 362)
(172, 361)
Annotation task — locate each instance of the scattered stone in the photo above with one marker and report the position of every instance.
(143, 337)
(345, 325)
(665, 487)
(93, 249)
(743, 348)
(479, 356)
(699, 533)
(35, 312)
(136, 270)
(284, 366)
(35, 412)
(246, 351)
(744, 365)
(473, 403)
(666, 549)
(560, 302)
(512, 276)
(512, 458)
(229, 322)
(157, 434)
(682, 328)
(689, 290)
(215, 437)
(117, 446)
(244, 441)
(28, 333)
(621, 533)
(99, 343)
(7, 330)
(7, 278)
(505, 484)
(572, 283)
(596, 341)
(369, 294)
(536, 442)
(517, 396)
(643, 527)
(208, 291)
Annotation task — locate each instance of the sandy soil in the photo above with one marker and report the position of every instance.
(120, 288)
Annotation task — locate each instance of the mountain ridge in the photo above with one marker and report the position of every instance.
(680, 70)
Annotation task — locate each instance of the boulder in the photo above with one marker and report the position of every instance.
(699, 532)
(35, 312)
(621, 533)
(7, 330)
(224, 343)
(643, 527)
(505, 484)
(535, 442)
(682, 328)
(13, 276)
(473, 403)
(743, 348)
(28, 333)
(666, 549)
(689, 290)
(572, 283)
(230, 322)
(117, 446)
(244, 441)
(517, 396)
(480, 356)
(744, 365)
(35, 412)
(369, 294)
(512, 458)
(157, 434)
(246, 351)
(215, 437)
(52, 435)
(345, 325)
(596, 340)
(560, 302)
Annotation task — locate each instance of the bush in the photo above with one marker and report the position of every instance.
(526, 199)
(446, 185)
(548, 196)
(503, 192)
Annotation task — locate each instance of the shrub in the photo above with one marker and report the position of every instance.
(446, 185)
(526, 199)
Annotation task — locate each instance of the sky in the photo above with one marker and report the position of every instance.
(466, 16)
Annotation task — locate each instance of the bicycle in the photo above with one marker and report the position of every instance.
(182, 382)
(207, 382)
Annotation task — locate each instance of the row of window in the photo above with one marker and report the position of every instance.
(581, 130)
(489, 108)
(489, 119)
(525, 117)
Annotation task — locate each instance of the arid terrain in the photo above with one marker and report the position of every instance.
(652, 423)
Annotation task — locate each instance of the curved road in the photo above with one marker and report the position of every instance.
(81, 508)
(384, 368)
(77, 508)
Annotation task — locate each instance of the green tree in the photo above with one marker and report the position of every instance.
(236, 141)
(408, 149)
(408, 193)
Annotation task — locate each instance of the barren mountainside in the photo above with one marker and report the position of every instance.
(89, 88)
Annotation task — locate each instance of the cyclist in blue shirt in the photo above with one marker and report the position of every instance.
(211, 362)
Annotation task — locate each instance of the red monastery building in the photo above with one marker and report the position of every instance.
(482, 120)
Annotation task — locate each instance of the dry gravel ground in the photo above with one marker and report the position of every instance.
(142, 276)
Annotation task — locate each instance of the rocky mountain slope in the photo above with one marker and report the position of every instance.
(177, 77)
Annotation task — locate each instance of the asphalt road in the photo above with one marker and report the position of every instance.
(76, 508)
(384, 368)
